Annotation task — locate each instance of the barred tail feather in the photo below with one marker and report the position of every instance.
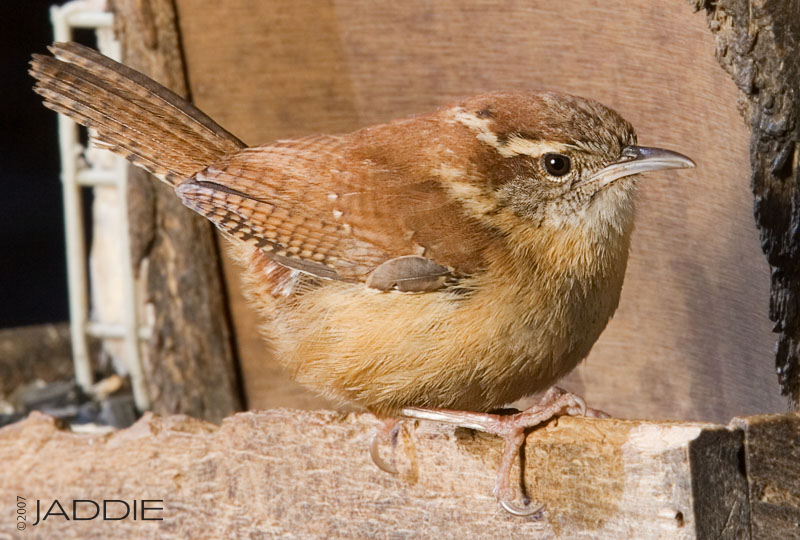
(131, 114)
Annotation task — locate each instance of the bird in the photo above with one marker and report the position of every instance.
(437, 267)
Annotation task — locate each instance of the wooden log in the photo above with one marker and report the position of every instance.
(285, 473)
(692, 327)
(772, 466)
(757, 44)
(189, 362)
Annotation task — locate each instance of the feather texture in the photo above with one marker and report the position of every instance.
(345, 202)
(517, 274)
(131, 114)
(335, 207)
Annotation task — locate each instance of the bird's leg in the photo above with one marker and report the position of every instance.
(386, 432)
(555, 402)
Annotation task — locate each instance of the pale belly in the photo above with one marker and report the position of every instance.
(516, 333)
(475, 351)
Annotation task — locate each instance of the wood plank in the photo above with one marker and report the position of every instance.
(286, 473)
(692, 327)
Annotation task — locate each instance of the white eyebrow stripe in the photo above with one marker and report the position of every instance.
(517, 145)
(514, 145)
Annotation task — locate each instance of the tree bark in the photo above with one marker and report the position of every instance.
(189, 361)
(758, 43)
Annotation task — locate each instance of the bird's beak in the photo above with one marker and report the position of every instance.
(639, 159)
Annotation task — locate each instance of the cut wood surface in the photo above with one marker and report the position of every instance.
(691, 338)
(296, 474)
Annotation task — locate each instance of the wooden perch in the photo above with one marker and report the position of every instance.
(308, 475)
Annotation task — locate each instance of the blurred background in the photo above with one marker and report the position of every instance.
(33, 286)
(36, 367)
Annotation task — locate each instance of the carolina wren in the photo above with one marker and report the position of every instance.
(458, 260)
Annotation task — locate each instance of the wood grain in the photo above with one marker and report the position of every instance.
(285, 473)
(691, 338)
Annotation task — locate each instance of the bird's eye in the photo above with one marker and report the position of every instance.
(556, 164)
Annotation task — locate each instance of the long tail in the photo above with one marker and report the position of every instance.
(132, 114)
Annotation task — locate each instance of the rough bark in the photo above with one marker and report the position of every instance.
(189, 361)
(758, 43)
(296, 474)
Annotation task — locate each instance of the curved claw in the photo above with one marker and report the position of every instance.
(574, 405)
(596, 413)
(376, 456)
(521, 511)
(581, 404)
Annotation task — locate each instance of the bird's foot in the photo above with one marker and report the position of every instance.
(386, 432)
(511, 428)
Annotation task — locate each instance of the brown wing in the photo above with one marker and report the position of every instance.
(338, 206)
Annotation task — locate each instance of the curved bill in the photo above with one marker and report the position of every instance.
(640, 159)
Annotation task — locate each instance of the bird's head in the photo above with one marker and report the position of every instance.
(552, 159)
